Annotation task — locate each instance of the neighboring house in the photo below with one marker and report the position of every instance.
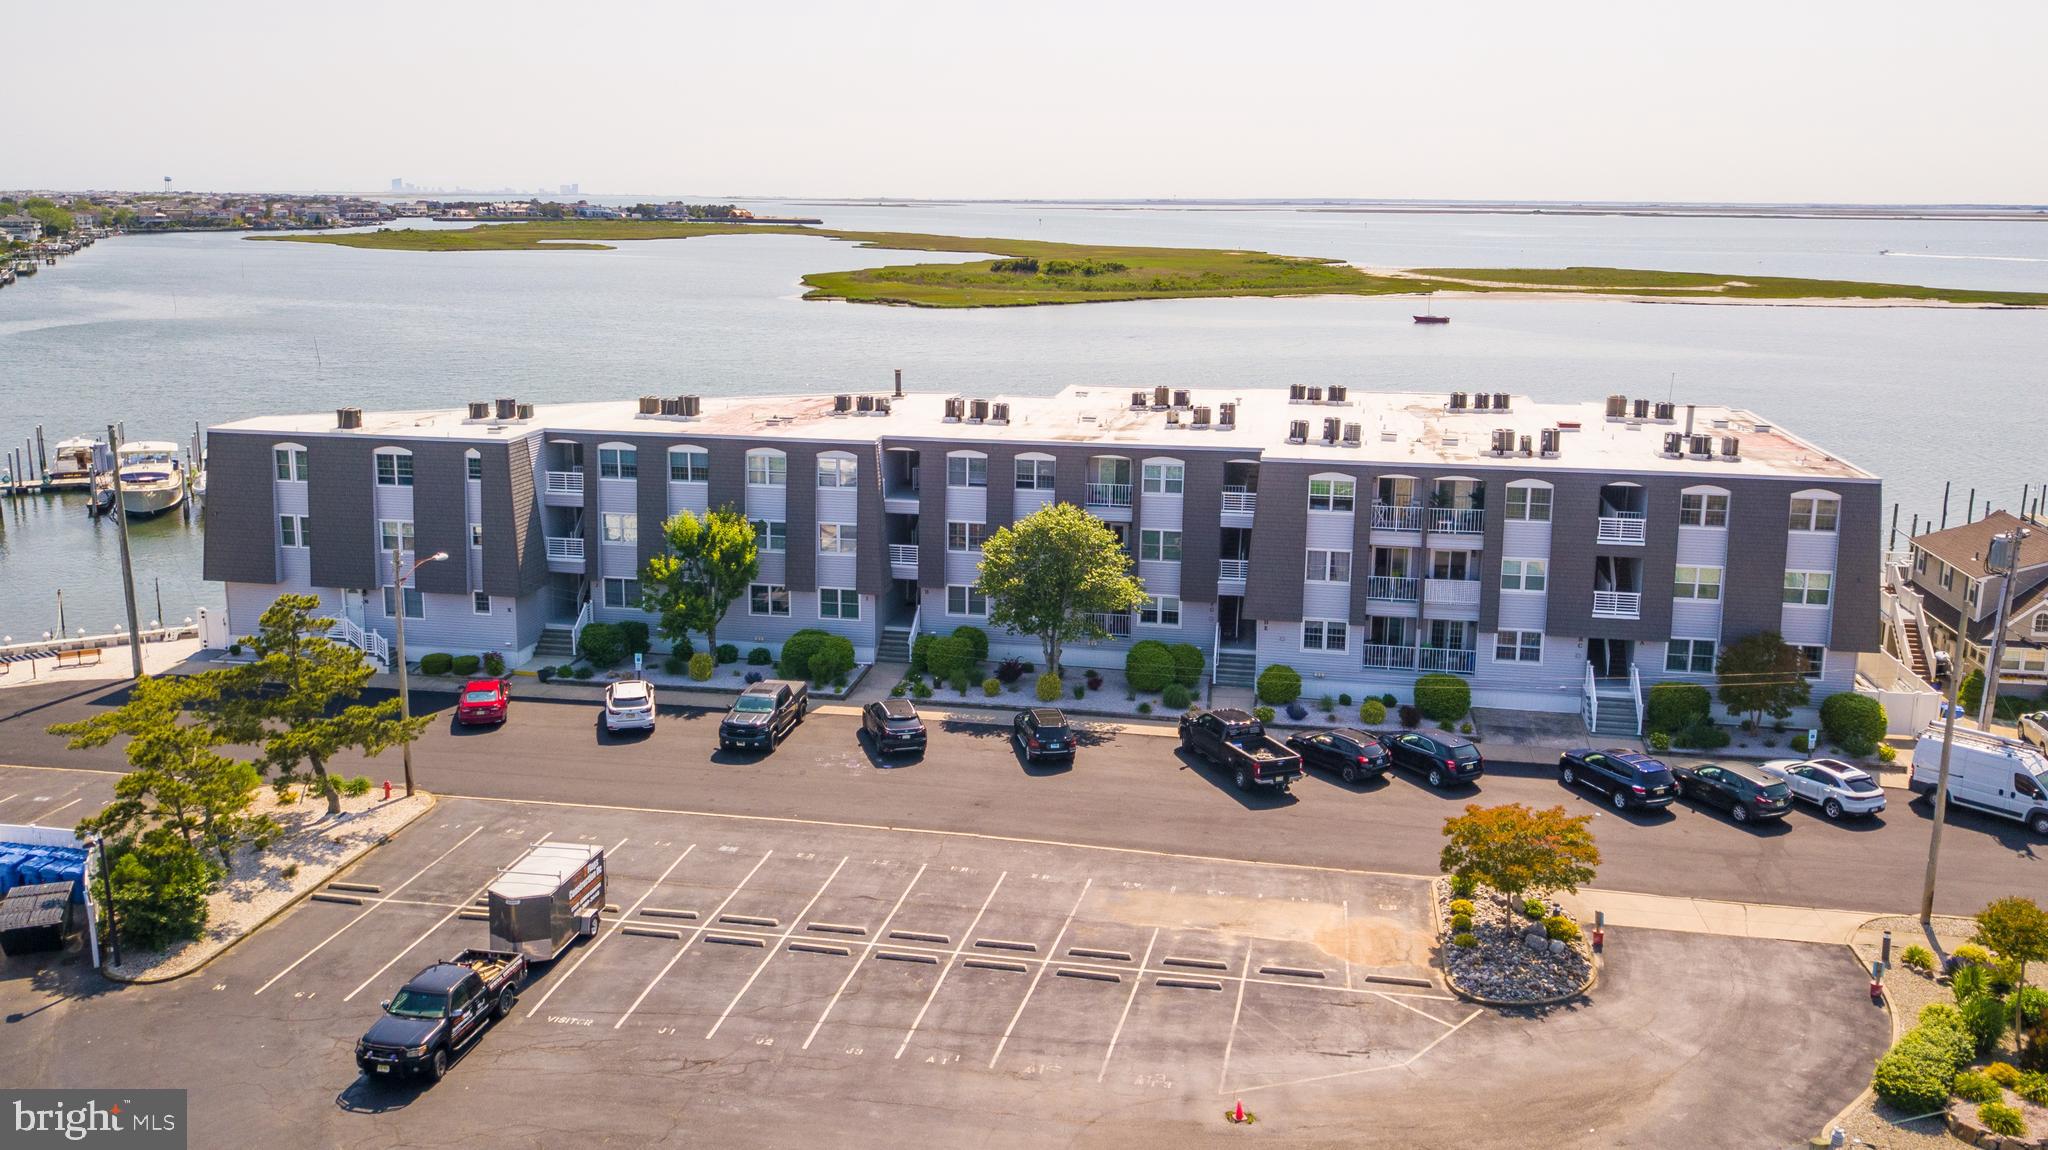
(21, 229)
(1559, 556)
(1946, 576)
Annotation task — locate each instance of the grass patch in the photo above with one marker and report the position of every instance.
(1032, 272)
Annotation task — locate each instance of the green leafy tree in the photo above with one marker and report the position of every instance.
(708, 563)
(160, 887)
(1762, 675)
(2016, 929)
(1519, 850)
(1051, 573)
(298, 699)
(1970, 695)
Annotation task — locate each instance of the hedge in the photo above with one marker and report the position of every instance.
(1851, 719)
(797, 650)
(1187, 664)
(437, 663)
(1176, 697)
(1913, 1077)
(975, 638)
(1149, 665)
(602, 643)
(1372, 712)
(1445, 698)
(702, 665)
(1279, 683)
(638, 642)
(948, 657)
(832, 660)
(465, 664)
(1672, 707)
(919, 648)
(1048, 688)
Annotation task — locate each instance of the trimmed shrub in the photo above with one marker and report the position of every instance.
(1676, 706)
(1148, 665)
(1942, 1026)
(1464, 940)
(1462, 906)
(603, 644)
(1176, 697)
(545, 674)
(991, 687)
(1328, 705)
(357, 787)
(1048, 687)
(1464, 886)
(1372, 712)
(494, 664)
(1461, 923)
(728, 653)
(584, 672)
(1411, 716)
(565, 671)
(920, 649)
(676, 664)
(1534, 908)
(795, 660)
(898, 691)
(465, 665)
(1917, 957)
(1465, 728)
(1913, 1077)
(975, 638)
(832, 660)
(438, 663)
(920, 690)
(1144, 708)
(1444, 698)
(760, 657)
(1975, 1086)
(1187, 663)
(1080, 691)
(1343, 700)
(960, 682)
(1886, 753)
(1986, 1016)
(1701, 736)
(948, 657)
(702, 665)
(2003, 1073)
(1389, 702)
(1971, 952)
(1011, 670)
(1660, 742)
(1562, 927)
(1263, 714)
(1847, 715)
(634, 632)
(1278, 684)
(1296, 711)
(2032, 1086)
(1999, 1118)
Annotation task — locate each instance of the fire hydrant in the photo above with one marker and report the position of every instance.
(387, 790)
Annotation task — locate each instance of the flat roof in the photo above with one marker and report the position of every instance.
(1395, 428)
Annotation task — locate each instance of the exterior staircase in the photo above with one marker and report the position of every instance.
(1236, 668)
(556, 646)
(1916, 650)
(894, 646)
(1614, 710)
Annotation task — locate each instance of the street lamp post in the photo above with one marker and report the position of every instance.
(399, 574)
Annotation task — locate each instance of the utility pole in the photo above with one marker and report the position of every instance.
(2010, 544)
(127, 561)
(1948, 734)
(398, 577)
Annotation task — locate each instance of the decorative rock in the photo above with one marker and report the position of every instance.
(1557, 946)
(1535, 942)
(1514, 960)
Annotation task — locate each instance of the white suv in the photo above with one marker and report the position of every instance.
(629, 706)
(1836, 787)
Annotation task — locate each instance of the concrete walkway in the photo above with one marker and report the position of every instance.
(1711, 916)
(115, 664)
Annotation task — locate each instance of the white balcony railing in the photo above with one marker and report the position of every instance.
(1381, 657)
(565, 549)
(1397, 588)
(1450, 659)
(1624, 527)
(1109, 495)
(1118, 626)
(1237, 500)
(902, 554)
(1397, 516)
(1457, 521)
(1451, 592)
(1617, 604)
(565, 483)
(1233, 570)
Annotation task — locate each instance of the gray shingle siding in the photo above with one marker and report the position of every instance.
(241, 530)
(340, 500)
(1274, 587)
(511, 512)
(651, 498)
(1201, 533)
(871, 562)
(1759, 514)
(728, 486)
(931, 518)
(1002, 487)
(1855, 624)
(440, 482)
(1574, 524)
(801, 514)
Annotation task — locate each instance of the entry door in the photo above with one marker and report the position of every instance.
(1610, 657)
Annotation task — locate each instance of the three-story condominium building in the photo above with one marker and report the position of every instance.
(1561, 556)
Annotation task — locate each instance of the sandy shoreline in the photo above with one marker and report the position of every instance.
(1601, 295)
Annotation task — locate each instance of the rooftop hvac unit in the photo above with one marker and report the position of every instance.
(1674, 443)
(1457, 401)
(1297, 430)
(1731, 447)
(1352, 434)
(955, 408)
(1160, 396)
(1617, 406)
(841, 404)
(1482, 402)
(671, 406)
(1667, 412)
(1296, 392)
(881, 405)
(1315, 395)
(508, 408)
(1181, 399)
(1500, 401)
(865, 404)
(1641, 409)
(480, 410)
(1332, 428)
(1551, 438)
(1503, 440)
(1226, 415)
(692, 406)
(1700, 446)
(1138, 401)
(1172, 417)
(522, 411)
(1338, 392)
(1526, 450)
(348, 418)
(1000, 413)
(1199, 417)
(650, 404)
(977, 411)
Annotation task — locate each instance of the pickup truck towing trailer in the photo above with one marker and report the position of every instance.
(1235, 740)
(547, 900)
(439, 1011)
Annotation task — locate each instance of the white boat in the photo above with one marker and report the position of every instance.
(152, 481)
(73, 463)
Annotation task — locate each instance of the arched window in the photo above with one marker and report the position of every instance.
(394, 467)
(688, 463)
(291, 462)
(618, 461)
(1035, 471)
(1529, 500)
(1703, 506)
(767, 467)
(966, 469)
(1815, 510)
(473, 464)
(1332, 491)
(838, 469)
(1163, 477)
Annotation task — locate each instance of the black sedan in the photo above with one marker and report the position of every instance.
(1744, 791)
(1438, 756)
(892, 725)
(1352, 755)
(1627, 779)
(1043, 733)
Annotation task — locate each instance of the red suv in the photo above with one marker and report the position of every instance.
(483, 701)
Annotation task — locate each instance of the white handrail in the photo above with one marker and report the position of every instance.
(1635, 688)
(1399, 588)
(902, 554)
(1215, 650)
(1233, 570)
(1240, 501)
(583, 619)
(564, 483)
(1621, 529)
(1617, 604)
(1591, 707)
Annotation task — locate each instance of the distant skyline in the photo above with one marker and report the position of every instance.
(1737, 103)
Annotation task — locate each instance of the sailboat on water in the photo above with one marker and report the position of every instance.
(1429, 312)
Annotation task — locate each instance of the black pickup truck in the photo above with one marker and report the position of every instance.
(439, 1011)
(763, 714)
(1235, 739)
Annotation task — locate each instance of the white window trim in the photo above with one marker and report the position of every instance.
(1806, 589)
(391, 599)
(1706, 493)
(1521, 585)
(845, 535)
(767, 457)
(841, 461)
(966, 598)
(769, 600)
(476, 597)
(628, 523)
(1170, 471)
(764, 536)
(1314, 573)
(971, 457)
(1713, 645)
(1324, 626)
(967, 535)
(1820, 669)
(685, 450)
(1039, 462)
(1180, 544)
(1519, 634)
(1334, 481)
(615, 448)
(1156, 604)
(842, 597)
(1720, 582)
(1818, 496)
(296, 460)
(403, 525)
(394, 454)
(1526, 486)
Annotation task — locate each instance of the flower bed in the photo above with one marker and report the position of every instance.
(1501, 966)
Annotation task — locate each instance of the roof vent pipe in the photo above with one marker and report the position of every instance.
(1688, 419)
(899, 383)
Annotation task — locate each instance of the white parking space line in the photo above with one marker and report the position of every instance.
(776, 948)
(681, 950)
(478, 893)
(1346, 936)
(592, 948)
(948, 969)
(1133, 998)
(1051, 953)
(11, 798)
(53, 810)
(1408, 1061)
(1405, 1006)
(1236, 1012)
(881, 932)
(366, 912)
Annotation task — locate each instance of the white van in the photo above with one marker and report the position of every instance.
(1986, 773)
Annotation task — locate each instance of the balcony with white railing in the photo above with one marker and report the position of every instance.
(1451, 592)
(1457, 521)
(1393, 588)
(1118, 626)
(1449, 659)
(1109, 495)
(1622, 527)
(1397, 517)
(565, 553)
(903, 560)
(1617, 604)
(1233, 570)
(566, 485)
(1239, 501)
(1383, 657)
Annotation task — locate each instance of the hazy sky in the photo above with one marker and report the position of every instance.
(1789, 100)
